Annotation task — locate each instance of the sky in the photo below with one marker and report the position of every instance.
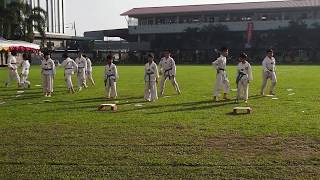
(92, 15)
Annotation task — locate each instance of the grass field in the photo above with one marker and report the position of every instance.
(179, 137)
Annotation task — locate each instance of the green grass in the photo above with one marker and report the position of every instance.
(181, 137)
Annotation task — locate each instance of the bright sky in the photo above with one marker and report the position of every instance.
(105, 14)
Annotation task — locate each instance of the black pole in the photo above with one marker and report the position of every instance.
(59, 25)
(52, 22)
(47, 14)
(62, 9)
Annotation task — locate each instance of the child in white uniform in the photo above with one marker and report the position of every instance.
(151, 76)
(244, 76)
(110, 78)
(222, 80)
(269, 72)
(25, 68)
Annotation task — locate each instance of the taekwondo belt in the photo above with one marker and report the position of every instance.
(149, 76)
(108, 78)
(166, 72)
(240, 76)
(80, 68)
(47, 69)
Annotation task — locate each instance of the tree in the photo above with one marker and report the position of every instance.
(19, 21)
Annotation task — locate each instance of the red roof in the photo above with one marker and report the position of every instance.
(221, 7)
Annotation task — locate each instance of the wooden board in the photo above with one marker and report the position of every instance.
(104, 107)
(247, 110)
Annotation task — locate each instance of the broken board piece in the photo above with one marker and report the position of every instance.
(104, 107)
(237, 110)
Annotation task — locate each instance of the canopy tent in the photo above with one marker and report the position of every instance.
(9, 45)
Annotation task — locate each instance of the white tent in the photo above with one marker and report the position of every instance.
(6, 45)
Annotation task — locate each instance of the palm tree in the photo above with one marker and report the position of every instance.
(19, 21)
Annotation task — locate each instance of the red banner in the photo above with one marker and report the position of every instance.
(250, 32)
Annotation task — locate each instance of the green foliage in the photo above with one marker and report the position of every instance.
(18, 21)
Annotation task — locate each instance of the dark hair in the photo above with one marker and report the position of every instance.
(85, 56)
(243, 55)
(25, 56)
(65, 55)
(13, 53)
(109, 57)
(224, 49)
(151, 55)
(270, 51)
(167, 50)
(46, 53)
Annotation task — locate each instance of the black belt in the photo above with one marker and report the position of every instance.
(69, 68)
(13, 63)
(239, 77)
(47, 69)
(108, 78)
(80, 67)
(149, 76)
(166, 72)
(220, 69)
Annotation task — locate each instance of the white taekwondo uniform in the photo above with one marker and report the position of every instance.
(168, 71)
(70, 67)
(13, 70)
(151, 75)
(89, 74)
(222, 80)
(25, 69)
(48, 70)
(244, 76)
(81, 74)
(110, 79)
(269, 72)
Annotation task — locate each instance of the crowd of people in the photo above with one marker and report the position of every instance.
(82, 67)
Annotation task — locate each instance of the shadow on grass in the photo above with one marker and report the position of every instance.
(93, 108)
(107, 100)
(235, 114)
(189, 106)
(195, 108)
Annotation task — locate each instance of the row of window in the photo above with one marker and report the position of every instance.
(228, 18)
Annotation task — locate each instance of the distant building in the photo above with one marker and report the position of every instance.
(236, 16)
(55, 13)
(148, 26)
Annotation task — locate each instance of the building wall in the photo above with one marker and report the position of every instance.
(235, 21)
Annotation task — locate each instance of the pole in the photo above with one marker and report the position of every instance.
(75, 29)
